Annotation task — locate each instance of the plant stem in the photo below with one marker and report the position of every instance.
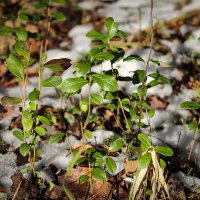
(128, 127)
(147, 62)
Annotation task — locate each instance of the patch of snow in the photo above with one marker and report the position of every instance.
(7, 168)
(192, 44)
(99, 136)
(8, 137)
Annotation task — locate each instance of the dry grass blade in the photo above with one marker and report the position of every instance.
(137, 183)
(17, 190)
(158, 176)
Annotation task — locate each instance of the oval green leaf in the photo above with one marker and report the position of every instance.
(56, 137)
(15, 66)
(53, 81)
(72, 85)
(166, 151)
(98, 174)
(116, 145)
(40, 131)
(24, 149)
(44, 120)
(18, 134)
(106, 82)
(190, 105)
(111, 165)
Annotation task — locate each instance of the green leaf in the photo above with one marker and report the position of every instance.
(95, 35)
(160, 78)
(56, 137)
(6, 30)
(134, 57)
(88, 134)
(41, 131)
(111, 26)
(10, 101)
(60, 1)
(58, 16)
(73, 162)
(27, 124)
(193, 126)
(15, 66)
(26, 169)
(116, 145)
(162, 163)
(32, 106)
(151, 113)
(144, 161)
(44, 120)
(97, 159)
(83, 66)
(166, 151)
(83, 179)
(72, 85)
(106, 82)
(103, 56)
(53, 81)
(139, 91)
(138, 76)
(145, 141)
(18, 135)
(21, 34)
(34, 95)
(84, 105)
(96, 99)
(111, 165)
(98, 174)
(190, 105)
(24, 149)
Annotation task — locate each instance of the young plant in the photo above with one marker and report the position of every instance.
(149, 161)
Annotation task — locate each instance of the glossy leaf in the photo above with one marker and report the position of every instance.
(160, 78)
(190, 105)
(192, 126)
(96, 99)
(106, 82)
(95, 35)
(56, 137)
(18, 134)
(83, 179)
(116, 145)
(10, 101)
(44, 120)
(166, 151)
(162, 163)
(72, 85)
(53, 81)
(98, 174)
(88, 134)
(21, 33)
(144, 161)
(83, 66)
(111, 26)
(40, 131)
(34, 95)
(24, 149)
(111, 165)
(134, 57)
(58, 16)
(103, 56)
(15, 66)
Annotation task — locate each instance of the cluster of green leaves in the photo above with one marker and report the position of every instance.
(145, 158)
(34, 125)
